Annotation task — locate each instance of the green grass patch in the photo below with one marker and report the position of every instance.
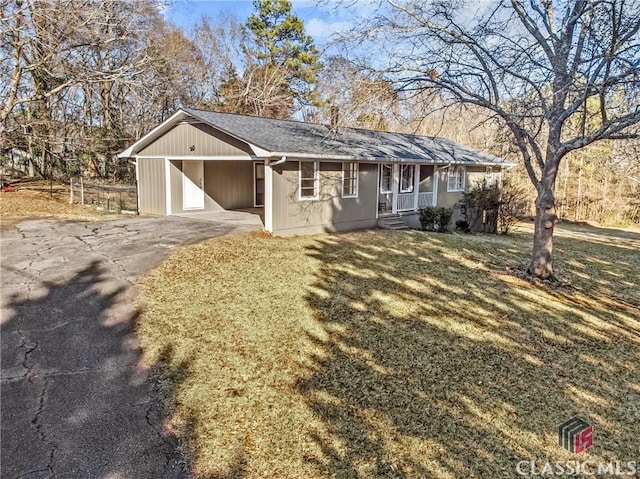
(395, 354)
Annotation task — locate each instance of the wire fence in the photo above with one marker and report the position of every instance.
(110, 197)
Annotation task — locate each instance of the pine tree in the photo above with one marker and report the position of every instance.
(282, 63)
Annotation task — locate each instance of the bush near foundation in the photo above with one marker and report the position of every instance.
(493, 208)
(435, 218)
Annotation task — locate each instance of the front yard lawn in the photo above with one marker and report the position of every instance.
(395, 354)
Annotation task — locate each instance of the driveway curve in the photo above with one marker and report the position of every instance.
(76, 402)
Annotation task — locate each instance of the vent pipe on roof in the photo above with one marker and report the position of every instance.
(335, 118)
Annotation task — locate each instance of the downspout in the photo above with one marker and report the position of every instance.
(448, 165)
(278, 162)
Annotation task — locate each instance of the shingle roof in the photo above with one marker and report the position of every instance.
(286, 137)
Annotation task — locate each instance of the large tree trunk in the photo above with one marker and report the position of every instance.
(546, 218)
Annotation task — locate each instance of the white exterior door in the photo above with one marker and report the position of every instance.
(192, 184)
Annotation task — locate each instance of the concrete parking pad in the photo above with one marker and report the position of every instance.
(76, 400)
(238, 218)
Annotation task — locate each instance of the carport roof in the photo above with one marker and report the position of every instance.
(270, 137)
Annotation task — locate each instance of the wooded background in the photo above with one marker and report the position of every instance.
(83, 79)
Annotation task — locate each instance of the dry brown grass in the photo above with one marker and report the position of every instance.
(395, 354)
(37, 199)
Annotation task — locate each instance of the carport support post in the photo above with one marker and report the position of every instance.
(81, 191)
(268, 196)
(167, 181)
(71, 191)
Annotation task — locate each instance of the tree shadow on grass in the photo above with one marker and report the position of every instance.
(171, 373)
(599, 234)
(601, 262)
(75, 400)
(435, 365)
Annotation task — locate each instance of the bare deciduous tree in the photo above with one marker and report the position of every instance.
(73, 68)
(364, 99)
(535, 65)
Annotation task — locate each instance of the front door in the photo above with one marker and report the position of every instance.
(192, 184)
(385, 194)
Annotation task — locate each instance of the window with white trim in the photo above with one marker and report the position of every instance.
(350, 179)
(386, 173)
(309, 180)
(406, 178)
(455, 178)
(489, 177)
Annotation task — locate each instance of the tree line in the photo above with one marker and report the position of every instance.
(553, 84)
(83, 79)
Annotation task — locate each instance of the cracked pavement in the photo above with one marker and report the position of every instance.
(76, 400)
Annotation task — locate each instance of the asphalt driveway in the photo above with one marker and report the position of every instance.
(76, 401)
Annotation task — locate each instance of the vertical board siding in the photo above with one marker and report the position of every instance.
(152, 186)
(330, 212)
(195, 140)
(229, 183)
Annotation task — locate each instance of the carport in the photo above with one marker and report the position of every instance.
(185, 166)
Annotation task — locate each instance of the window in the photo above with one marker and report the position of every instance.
(406, 178)
(308, 180)
(489, 177)
(350, 179)
(385, 178)
(455, 178)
